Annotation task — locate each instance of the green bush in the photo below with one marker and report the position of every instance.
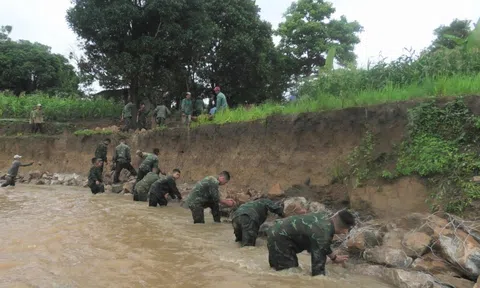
(59, 109)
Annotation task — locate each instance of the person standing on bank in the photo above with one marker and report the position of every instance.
(312, 232)
(38, 119)
(221, 101)
(122, 160)
(163, 186)
(101, 152)
(95, 181)
(205, 194)
(127, 115)
(13, 171)
(198, 106)
(142, 117)
(187, 109)
(160, 114)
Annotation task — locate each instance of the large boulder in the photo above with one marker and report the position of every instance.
(387, 256)
(128, 187)
(124, 175)
(454, 281)
(36, 174)
(108, 188)
(433, 264)
(416, 244)
(399, 277)
(276, 191)
(362, 238)
(117, 188)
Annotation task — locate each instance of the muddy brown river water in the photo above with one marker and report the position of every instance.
(54, 236)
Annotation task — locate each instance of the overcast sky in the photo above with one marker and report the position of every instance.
(390, 25)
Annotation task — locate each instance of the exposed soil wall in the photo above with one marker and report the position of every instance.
(281, 149)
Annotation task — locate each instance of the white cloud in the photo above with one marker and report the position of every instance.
(390, 25)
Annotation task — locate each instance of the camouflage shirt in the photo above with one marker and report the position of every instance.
(204, 191)
(101, 151)
(143, 186)
(166, 185)
(122, 154)
(150, 162)
(128, 110)
(199, 105)
(258, 210)
(161, 112)
(312, 232)
(187, 106)
(94, 175)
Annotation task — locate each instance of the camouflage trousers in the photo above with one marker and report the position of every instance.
(97, 188)
(282, 254)
(245, 230)
(157, 198)
(140, 195)
(198, 213)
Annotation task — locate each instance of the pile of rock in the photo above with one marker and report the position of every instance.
(419, 250)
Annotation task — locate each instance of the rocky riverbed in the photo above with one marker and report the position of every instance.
(418, 250)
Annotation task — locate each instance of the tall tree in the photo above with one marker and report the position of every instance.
(28, 67)
(309, 32)
(177, 45)
(452, 35)
(4, 32)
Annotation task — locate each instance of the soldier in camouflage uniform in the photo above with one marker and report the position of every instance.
(205, 194)
(140, 192)
(142, 117)
(312, 232)
(149, 162)
(95, 177)
(127, 115)
(160, 114)
(246, 220)
(121, 160)
(101, 152)
(163, 186)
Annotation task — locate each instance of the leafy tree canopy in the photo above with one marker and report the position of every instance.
(308, 33)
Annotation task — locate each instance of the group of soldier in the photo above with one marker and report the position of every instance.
(285, 239)
(190, 108)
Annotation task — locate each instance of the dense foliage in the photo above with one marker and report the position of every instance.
(58, 109)
(161, 46)
(29, 67)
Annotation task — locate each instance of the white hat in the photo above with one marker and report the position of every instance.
(39, 105)
(17, 157)
(188, 93)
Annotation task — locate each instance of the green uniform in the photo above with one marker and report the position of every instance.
(187, 106)
(205, 194)
(198, 107)
(162, 187)
(127, 116)
(160, 113)
(246, 220)
(142, 118)
(288, 237)
(221, 102)
(94, 175)
(122, 159)
(101, 153)
(140, 192)
(150, 162)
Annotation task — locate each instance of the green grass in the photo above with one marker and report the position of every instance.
(58, 109)
(89, 132)
(316, 100)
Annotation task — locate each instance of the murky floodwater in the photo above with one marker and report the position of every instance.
(66, 237)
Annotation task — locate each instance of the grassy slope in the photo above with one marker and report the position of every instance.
(442, 87)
